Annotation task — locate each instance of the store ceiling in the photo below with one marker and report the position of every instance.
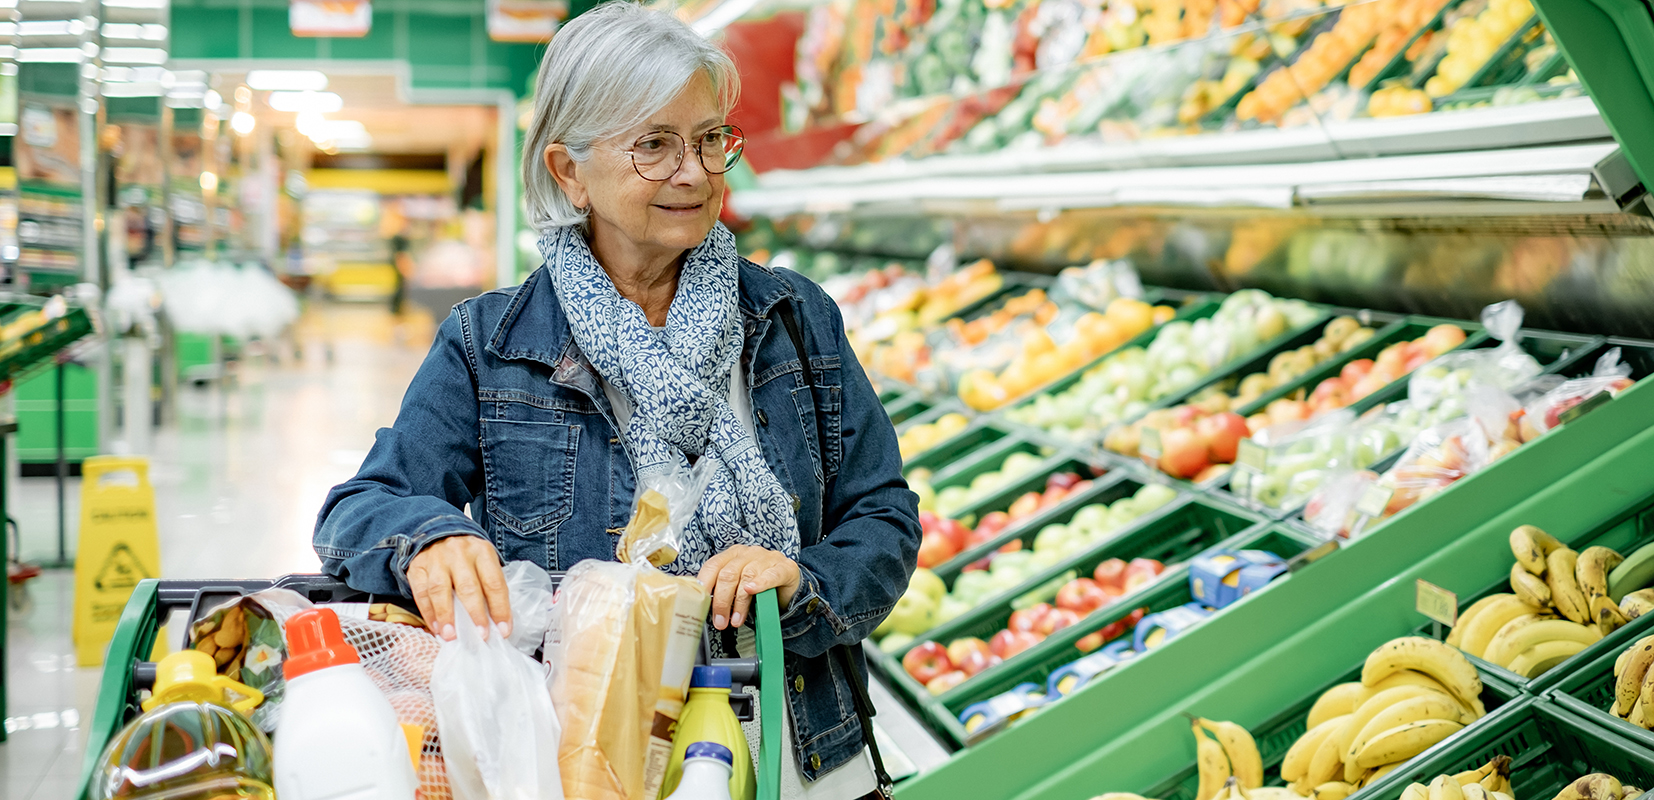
(395, 125)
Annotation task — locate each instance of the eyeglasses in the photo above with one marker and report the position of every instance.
(658, 156)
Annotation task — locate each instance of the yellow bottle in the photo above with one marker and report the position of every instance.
(707, 717)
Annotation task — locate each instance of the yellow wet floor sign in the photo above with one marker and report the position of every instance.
(118, 548)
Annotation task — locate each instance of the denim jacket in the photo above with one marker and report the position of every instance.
(506, 416)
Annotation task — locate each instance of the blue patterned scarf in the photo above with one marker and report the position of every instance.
(677, 381)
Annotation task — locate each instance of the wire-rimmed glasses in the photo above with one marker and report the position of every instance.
(658, 155)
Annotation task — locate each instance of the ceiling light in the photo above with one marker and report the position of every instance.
(209, 181)
(134, 55)
(323, 102)
(137, 89)
(140, 4)
(242, 122)
(308, 121)
(287, 80)
(45, 27)
(213, 100)
(49, 55)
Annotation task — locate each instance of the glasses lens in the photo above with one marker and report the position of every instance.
(658, 155)
(721, 148)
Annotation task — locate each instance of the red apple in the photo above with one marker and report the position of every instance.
(1211, 473)
(1052, 496)
(1028, 619)
(1010, 547)
(947, 680)
(959, 649)
(1110, 573)
(1006, 644)
(1058, 619)
(1025, 505)
(1182, 453)
(926, 661)
(1356, 370)
(1223, 433)
(1082, 595)
(928, 521)
(957, 535)
(977, 660)
(992, 523)
(1079, 487)
(1065, 480)
(1117, 628)
(1142, 571)
(934, 548)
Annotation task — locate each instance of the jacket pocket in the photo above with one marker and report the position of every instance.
(529, 473)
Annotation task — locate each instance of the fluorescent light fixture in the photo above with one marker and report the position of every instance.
(153, 5)
(213, 100)
(8, 29)
(49, 55)
(287, 80)
(242, 122)
(133, 31)
(134, 55)
(48, 27)
(323, 102)
(309, 122)
(134, 89)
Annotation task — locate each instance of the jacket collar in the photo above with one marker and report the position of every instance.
(534, 327)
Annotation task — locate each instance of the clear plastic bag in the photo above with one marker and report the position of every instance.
(665, 504)
(531, 594)
(1506, 366)
(1609, 375)
(498, 727)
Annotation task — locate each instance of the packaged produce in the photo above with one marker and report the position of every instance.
(1068, 678)
(1219, 578)
(708, 718)
(192, 741)
(708, 768)
(1001, 711)
(1156, 629)
(338, 736)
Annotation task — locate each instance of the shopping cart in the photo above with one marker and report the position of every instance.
(126, 673)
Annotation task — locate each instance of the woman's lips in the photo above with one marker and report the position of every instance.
(680, 208)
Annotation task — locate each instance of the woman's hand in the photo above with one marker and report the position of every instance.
(735, 575)
(466, 566)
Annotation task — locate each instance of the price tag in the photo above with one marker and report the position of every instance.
(1149, 446)
(1437, 603)
(1590, 404)
(1252, 455)
(1374, 500)
(1312, 555)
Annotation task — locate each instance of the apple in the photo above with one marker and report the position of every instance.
(927, 583)
(1081, 595)
(1052, 497)
(1028, 619)
(1025, 505)
(1063, 480)
(934, 549)
(895, 642)
(947, 680)
(1223, 433)
(1110, 573)
(1212, 473)
(1118, 628)
(959, 649)
(928, 521)
(1056, 620)
(1010, 547)
(992, 523)
(977, 660)
(1008, 643)
(1142, 571)
(955, 532)
(1182, 453)
(1442, 338)
(926, 661)
(1090, 642)
(1356, 370)
(914, 613)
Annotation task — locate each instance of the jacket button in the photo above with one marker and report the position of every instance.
(810, 607)
(763, 419)
(815, 761)
(796, 503)
(798, 684)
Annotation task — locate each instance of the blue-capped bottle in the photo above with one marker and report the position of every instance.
(707, 718)
(707, 769)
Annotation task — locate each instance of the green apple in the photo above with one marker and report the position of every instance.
(1090, 519)
(951, 609)
(927, 495)
(952, 499)
(1049, 558)
(1154, 495)
(1053, 537)
(972, 586)
(895, 642)
(915, 613)
(926, 582)
(1020, 464)
(985, 483)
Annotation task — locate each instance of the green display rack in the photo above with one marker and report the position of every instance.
(1126, 729)
(1108, 488)
(978, 434)
(1587, 689)
(126, 674)
(1610, 44)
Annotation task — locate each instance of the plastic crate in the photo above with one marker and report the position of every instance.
(1587, 691)
(980, 433)
(908, 406)
(1002, 498)
(126, 674)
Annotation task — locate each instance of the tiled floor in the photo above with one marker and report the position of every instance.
(238, 478)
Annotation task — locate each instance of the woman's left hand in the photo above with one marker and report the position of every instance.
(735, 575)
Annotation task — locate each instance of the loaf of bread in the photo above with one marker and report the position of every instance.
(595, 692)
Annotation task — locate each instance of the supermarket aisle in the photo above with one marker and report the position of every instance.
(238, 478)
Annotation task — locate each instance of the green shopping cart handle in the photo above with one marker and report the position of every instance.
(772, 683)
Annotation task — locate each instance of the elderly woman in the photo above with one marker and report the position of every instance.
(646, 343)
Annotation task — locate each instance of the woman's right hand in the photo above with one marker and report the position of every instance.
(466, 566)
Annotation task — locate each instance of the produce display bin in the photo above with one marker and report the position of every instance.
(1587, 691)
(1548, 747)
(126, 674)
(1625, 532)
(990, 459)
(978, 434)
(1108, 488)
(908, 406)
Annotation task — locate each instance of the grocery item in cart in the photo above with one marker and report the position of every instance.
(339, 736)
(192, 741)
(707, 767)
(708, 718)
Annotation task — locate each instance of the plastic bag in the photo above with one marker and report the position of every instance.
(1506, 366)
(499, 730)
(666, 502)
(531, 592)
(1610, 376)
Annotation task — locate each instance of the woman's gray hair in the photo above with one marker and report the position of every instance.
(605, 72)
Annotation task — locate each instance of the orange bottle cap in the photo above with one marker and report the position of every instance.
(314, 641)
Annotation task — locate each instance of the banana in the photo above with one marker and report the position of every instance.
(1212, 763)
(1636, 716)
(1498, 780)
(1445, 788)
(1479, 629)
(1244, 760)
(1335, 702)
(1609, 617)
(1535, 661)
(1531, 545)
(1619, 663)
(1296, 763)
(1645, 702)
(1446, 664)
(1423, 707)
(1628, 682)
(1501, 648)
(1405, 677)
(1415, 791)
(1232, 790)
(1379, 772)
(1517, 638)
(1595, 786)
(1470, 776)
(1637, 603)
(1503, 796)
(1565, 591)
(1405, 742)
(1325, 765)
(1370, 710)
(1634, 573)
(1333, 790)
(1273, 793)
(1530, 587)
(1474, 791)
(1592, 570)
(1629, 792)
(1465, 616)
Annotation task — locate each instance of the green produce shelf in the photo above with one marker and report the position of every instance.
(1548, 747)
(979, 433)
(1125, 728)
(1610, 44)
(990, 459)
(1587, 691)
(908, 406)
(1624, 532)
(35, 347)
(1387, 329)
(1107, 488)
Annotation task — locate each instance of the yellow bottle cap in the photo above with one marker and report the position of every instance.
(191, 676)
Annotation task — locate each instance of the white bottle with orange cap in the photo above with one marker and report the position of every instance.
(338, 737)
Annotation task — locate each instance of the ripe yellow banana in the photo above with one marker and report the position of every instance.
(1232, 790)
(1470, 776)
(1405, 742)
(1629, 792)
(1245, 763)
(1465, 616)
(1530, 587)
(1446, 664)
(1479, 629)
(1503, 796)
(1296, 763)
(1609, 617)
(1592, 568)
(1211, 762)
(1628, 682)
(1333, 790)
(1335, 702)
(1531, 545)
(1379, 772)
(1637, 603)
(1350, 737)
(1540, 658)
(1595, 786)
(1325, 765)
(1498, 780)
(1519, 636)
(1405, 677)
(1273, 793)
(1645, 702)
(1415, 791)
(1444, 787)
(1423, 707)
(1636, 717)
(1474, 791)
(1565, 591)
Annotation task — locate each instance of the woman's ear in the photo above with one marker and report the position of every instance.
(565, 170)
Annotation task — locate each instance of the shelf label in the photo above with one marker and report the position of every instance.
(1590, 404)
(1312, 555)
(1374, 500)
(1437, 603)
(1149, 446)
(1252, 455)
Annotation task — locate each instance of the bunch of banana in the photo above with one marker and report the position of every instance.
(1491, 782)
(1634, 684)
(1413, 693)
(1229, 754)
(391, 612)
(1598, 786)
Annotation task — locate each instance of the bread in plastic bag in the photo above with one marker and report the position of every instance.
(495, 717)
(666, 502)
